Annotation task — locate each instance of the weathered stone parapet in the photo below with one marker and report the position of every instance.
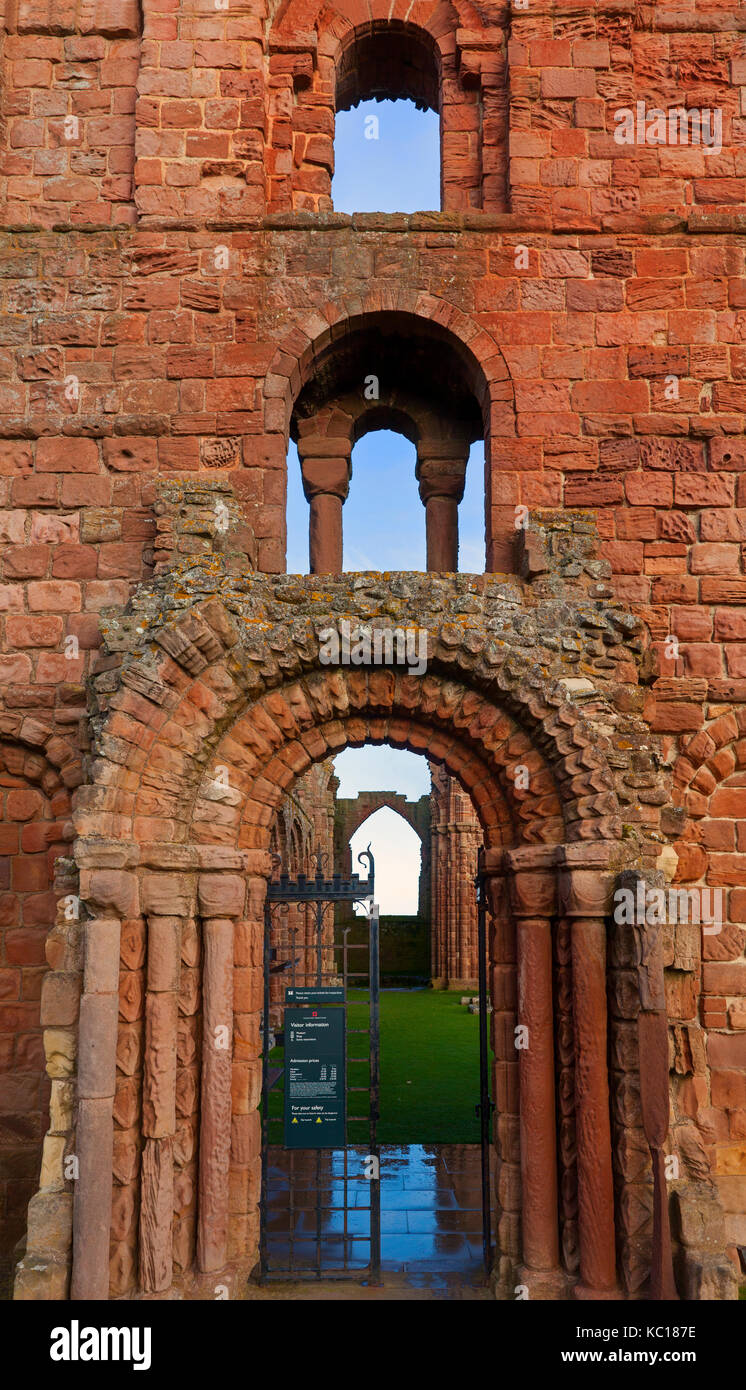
(201, 517)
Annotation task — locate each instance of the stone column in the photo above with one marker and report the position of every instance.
(167, 902)
(437, 968)
(502, 990)
(325, 466)
(441, 470)
(565, 1067)
(113, 893)
(531, 877)
(221, 899)
(455, 838)
(585, 888)
(652, 1041)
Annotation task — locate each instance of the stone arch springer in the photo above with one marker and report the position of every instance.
(203, 655)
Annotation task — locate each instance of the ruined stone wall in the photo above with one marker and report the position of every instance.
(171, 276)
(664, 476)
(456, 839)
(352, 812)
(404, 941)
(127, 110)
(222, 705)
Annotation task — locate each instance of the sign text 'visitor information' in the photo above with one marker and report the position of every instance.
(314, 1078)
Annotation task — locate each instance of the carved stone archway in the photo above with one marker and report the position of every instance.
(218, 695)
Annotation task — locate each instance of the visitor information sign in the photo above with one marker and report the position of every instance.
(314, 1073)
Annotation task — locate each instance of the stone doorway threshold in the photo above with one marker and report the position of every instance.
(407, 1287)
(431, 1231)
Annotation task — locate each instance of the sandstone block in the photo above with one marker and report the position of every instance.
(166, 895)
(50, 1221)
(221, 895)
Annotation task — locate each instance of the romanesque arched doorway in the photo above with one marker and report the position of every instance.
(228, 706)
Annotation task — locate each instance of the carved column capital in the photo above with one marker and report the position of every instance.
(532, 880)
(325, 467)
(586, 879)
(221, 895)
(441, 469)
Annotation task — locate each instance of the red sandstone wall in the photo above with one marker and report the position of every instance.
(595, 325)
(204, 113)
(133, 352)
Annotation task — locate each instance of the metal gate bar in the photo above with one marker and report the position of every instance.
(322, 893)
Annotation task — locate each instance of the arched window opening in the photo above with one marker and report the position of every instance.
(471, 515)
(387, 127)
(398, 861)
(384, 376)
(297, 516)
(379, 535)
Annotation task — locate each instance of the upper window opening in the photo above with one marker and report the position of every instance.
(404, 396)
(379, 535)
(391, 61)
(398, 863)
(387, 136)
(386, 159)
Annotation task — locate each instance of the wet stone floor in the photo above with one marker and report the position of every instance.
(318, 1221)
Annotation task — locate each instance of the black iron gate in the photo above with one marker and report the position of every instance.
(320, 1205)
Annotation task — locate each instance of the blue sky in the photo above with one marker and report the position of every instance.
(397, 172)
(383, 517)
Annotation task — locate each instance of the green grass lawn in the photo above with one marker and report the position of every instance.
(429, 1069)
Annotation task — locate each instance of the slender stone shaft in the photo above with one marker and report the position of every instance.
(326, 480)
(593, 1126)
(325, 534)
(536, 1071)
(533, 896)
(215, 1128)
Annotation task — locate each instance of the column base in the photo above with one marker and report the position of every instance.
(546, 1285)
(585, 1294)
